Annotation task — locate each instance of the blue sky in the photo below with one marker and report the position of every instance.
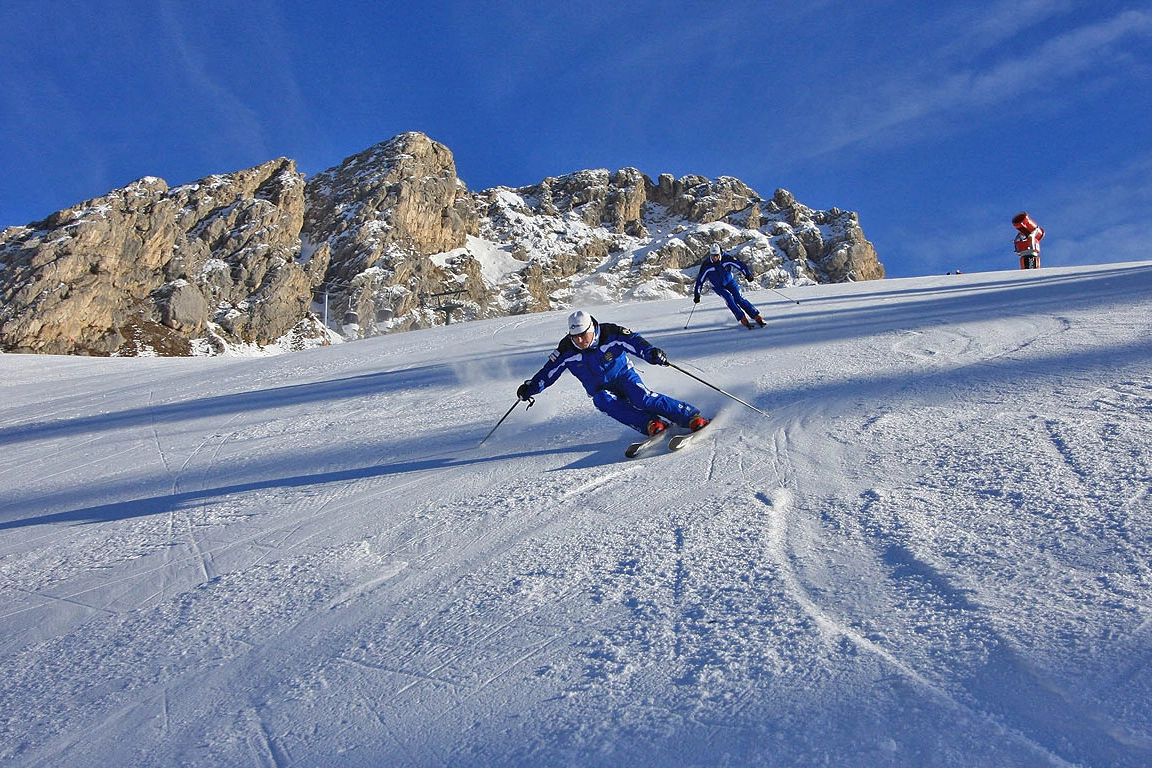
(937, 122)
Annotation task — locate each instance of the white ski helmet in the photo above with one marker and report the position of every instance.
(579, 322)
(714, 250)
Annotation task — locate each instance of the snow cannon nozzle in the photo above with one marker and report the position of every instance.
(1025, 223)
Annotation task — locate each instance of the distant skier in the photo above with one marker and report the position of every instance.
(717, 270)
(595, 354)
(1027, 242)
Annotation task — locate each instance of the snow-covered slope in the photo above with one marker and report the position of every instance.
(935, 551)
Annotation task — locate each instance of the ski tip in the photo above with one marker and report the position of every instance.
(639, 447)
(681, 441)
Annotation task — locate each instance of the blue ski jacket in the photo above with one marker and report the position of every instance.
(719, 274)
(598, 366)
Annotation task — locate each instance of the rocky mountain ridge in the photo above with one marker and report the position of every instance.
(390, 239)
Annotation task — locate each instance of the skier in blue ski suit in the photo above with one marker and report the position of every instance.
(596, 354)
(717, 270)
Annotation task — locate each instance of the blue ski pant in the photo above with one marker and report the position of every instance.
(736, 302)
(627, 400)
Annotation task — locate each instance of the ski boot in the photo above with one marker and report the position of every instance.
(656, 427)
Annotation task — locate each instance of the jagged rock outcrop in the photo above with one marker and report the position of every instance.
(597, 236)
(148, 267)
(392, 238)
(848, 256)
(381, 214)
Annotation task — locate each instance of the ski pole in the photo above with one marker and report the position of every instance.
(713, 386)
(531, 402)
(690, 316)
(794, 301)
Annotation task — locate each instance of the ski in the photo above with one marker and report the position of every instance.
(674, 444)
(634, 449)
(680, 441)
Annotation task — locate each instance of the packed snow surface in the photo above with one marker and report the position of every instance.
(935, 550)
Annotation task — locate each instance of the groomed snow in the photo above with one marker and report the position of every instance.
(935, 551)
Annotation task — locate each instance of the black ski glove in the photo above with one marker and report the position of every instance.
(522, 392)
(658, 357)
(695, 299)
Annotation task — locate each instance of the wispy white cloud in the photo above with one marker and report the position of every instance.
(1094, 219)
(975, 29)
(1052, 65)
(1104, 218)
(238, 115)
(237, 121)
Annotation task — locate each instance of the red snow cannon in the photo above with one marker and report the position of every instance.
(1027, 243)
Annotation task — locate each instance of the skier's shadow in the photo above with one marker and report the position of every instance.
(599, 455)
(591, 455)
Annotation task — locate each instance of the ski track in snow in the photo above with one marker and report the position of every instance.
(934, 552)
